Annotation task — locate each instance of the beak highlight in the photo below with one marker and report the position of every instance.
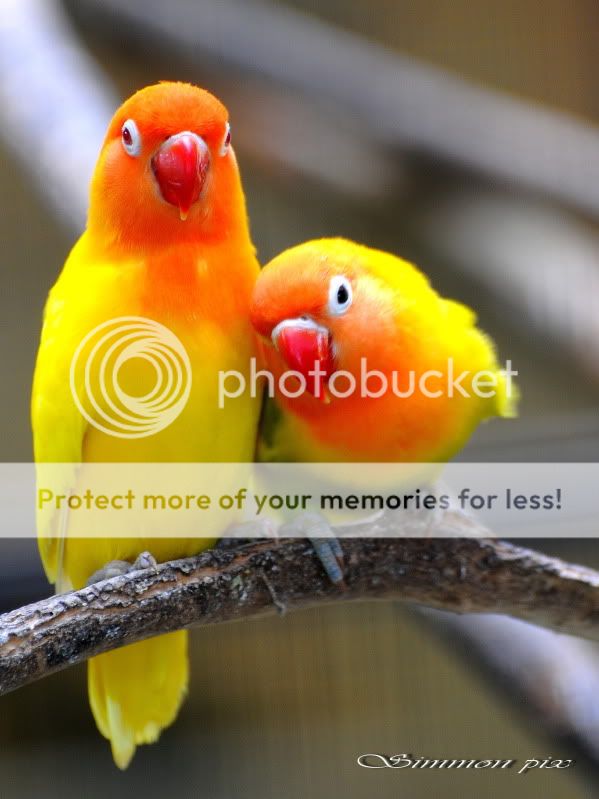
(180, 166)
(306, 348)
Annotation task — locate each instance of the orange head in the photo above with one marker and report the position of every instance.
(167, 171)
(320, 309)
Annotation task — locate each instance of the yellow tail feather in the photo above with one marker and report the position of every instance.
(136, 692)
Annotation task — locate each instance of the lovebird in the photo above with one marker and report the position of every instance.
(368, 364)
(376, 349)
(167, 243)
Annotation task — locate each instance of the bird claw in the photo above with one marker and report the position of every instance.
(327, 547)
(312, 526)
(145, 560)
(118, 568)
(330, 554)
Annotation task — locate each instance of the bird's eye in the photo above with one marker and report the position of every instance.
(340, 296)
(131, 138)
(224, 148)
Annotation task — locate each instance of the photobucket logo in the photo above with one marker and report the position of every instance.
(370, 383)
(111, 350)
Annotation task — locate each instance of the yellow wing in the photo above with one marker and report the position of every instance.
(58, 425)
(78, 301)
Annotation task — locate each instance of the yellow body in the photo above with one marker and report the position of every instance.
(135, 692)
(194, 277)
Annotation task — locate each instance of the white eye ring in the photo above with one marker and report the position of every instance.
(224, 148)
(131, 138)
(340, 296)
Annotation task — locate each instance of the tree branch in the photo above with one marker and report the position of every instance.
(461, 575)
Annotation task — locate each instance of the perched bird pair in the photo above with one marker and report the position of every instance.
(167, 239)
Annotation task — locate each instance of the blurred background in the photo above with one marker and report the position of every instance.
(463, 136)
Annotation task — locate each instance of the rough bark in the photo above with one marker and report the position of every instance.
(456, 574)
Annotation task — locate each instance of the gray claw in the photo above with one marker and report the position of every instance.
(331, 556)
(117, 568)
(318, 531)
(145, 560)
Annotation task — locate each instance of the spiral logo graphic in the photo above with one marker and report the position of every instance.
(118, 351)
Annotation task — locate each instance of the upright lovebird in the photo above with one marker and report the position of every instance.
(166, 240)
(333, 311)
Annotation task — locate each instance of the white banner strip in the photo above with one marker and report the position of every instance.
(195, 500)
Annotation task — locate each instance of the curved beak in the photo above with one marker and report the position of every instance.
(180, 166)
(306, 347)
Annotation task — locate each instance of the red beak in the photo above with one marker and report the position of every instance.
(180, 167)
(306, 348)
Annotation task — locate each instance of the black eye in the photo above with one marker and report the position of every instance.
(131, 138)
(224, 148)
(340, 295)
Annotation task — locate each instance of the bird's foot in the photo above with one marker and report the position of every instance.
(145, 560)
(117, 568)
(327, 547)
